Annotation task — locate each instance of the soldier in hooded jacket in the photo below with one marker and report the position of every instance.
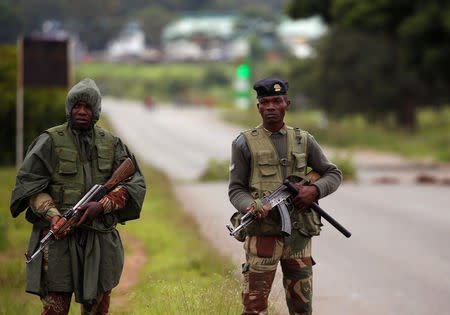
(261, 159)
(60, 166)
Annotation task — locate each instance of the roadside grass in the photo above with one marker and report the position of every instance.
(13, 239)
(431, 139)
(184, 275)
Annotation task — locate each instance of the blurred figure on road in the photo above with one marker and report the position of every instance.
(261, 159)
(149, 102)
(60, 166)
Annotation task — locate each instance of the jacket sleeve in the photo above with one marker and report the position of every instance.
(34, 174)
(240, 168)
(135, 187)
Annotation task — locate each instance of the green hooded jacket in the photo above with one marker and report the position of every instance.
(96, 267)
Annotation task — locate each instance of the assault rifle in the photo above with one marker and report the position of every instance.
(281, 198)
(72, 215)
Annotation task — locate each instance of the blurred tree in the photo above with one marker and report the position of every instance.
(412, 37)
(153, 19)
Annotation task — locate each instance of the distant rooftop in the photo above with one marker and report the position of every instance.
(310, 28)
(222, 26)
(214, 25)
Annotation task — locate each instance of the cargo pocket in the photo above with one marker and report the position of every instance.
(267, 163)
(309, 223)
(67, 161)
(105, 158)
(299, 163)
(235, 221)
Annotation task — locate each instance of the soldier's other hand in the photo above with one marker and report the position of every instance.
(260, 213)
(91, 211)
(305, 197)
(55, 220)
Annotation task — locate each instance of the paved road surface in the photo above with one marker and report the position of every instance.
(398, 258)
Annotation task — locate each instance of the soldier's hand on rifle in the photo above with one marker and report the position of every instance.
(91, 211)
(306, 196)
(259, 211)
(55, 219)
(58, 226)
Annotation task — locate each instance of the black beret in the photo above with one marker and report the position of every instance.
(270, 87)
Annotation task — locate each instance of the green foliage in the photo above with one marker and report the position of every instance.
(153, 19)
(346, 165)
(216, 171)
(359, 75)
(393, 53)
(183, 275)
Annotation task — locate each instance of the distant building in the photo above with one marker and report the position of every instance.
(198, 37)
(213, 37)
(298, 35)
(129, 43)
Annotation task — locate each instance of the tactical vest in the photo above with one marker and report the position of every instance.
(267, 175)
(67, 184)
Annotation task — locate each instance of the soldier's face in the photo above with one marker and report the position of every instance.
(273, 109)
(81, 115)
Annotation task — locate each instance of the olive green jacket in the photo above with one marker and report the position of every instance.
(66, 163)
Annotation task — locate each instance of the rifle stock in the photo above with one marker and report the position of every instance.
(123, 172)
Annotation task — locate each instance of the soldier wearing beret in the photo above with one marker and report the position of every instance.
(261, 159)
(60, 166)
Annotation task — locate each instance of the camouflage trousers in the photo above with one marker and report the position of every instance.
(263, 254)
(58, 303)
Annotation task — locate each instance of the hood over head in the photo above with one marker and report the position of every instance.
(88, 92)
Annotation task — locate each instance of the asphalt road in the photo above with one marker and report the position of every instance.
(398, 258)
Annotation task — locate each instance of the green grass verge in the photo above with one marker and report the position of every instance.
(183, 274)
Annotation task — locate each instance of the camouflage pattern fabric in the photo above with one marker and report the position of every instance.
(57, 303)
(263, 254)
(100, 306)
